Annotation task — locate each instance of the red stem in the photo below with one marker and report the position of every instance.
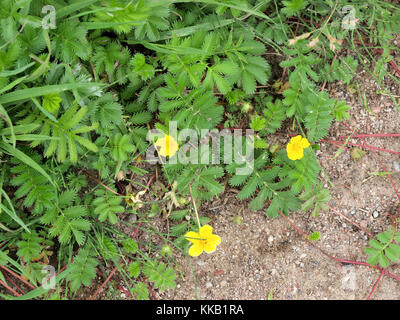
(9, 279)
(365, 145)
(375, 285)
(133, 237)
(9, 288)
(125, 291)
(102, 184)
(332, 257)
(352, 222)
(380, 162)
(17, 276)
(376, 135)
(105, 282)
(152, 292)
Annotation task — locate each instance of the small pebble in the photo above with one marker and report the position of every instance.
(208, 285)
(270, 239)
(396, 166)
(201, 263)
(375, 214)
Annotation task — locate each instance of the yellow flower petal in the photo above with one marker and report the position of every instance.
(196, 250)
(294, 152)
(296, 146)
(216, 239)
(212, 242)
(168, 146)
(305, 143)
(296, 139)
(300, 154)
(192, 236)
(210, 247)
(204, 240)
(205, 231)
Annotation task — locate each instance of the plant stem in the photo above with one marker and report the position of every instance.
(195, 207)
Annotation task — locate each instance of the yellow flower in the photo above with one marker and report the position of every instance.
(168, 146)
(204, 240)
(296, 146)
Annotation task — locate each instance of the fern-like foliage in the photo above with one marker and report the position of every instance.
(273, 115)
(197, 109)
(203, 181)
(29, 248)
(111, 59)
(83, 270)
(141, 68)
(65, 133)
(70, 41)
(236, 57)
(121, 147)
(107, 205)
(105, 110)
(146, 18)
(162, 276)
(340, 70)
(67, 220)
(267, 184)
(33, 187)
(301, 174)
(316, 199)
(319, 115)
(107, 247)
(83, 96)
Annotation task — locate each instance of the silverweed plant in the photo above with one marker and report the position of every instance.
(79, 98)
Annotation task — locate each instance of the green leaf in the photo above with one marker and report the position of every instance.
(83, 270)
(25, 159)
(131, 246)
(134, 269)
(315, 236)
(162, 276)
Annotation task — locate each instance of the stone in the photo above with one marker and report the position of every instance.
(396, 166)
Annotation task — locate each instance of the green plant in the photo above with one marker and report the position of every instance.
(384, 248)
(77, 102)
